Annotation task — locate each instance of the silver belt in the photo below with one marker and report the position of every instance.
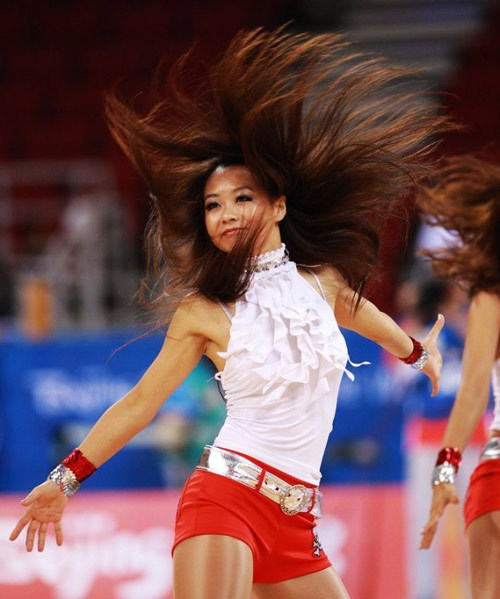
(491, 450)
(291, 498)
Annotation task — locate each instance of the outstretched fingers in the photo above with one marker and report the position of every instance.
(436, 328)
(435, 381)
(21, 523)
(59, 533)
(442, 496)
(30, 534)
(30, 498)
(33, 527)
(42, 535)
(26, 517)
(435, 361)
(428, 532)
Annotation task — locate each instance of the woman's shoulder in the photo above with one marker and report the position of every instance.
(196, 304)
(487, 301)
(330, 277)
(195, 312)
(483, 331)
(330, 280)
(483, 323)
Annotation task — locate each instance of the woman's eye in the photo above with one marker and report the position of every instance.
(243, 198)
(211, 206)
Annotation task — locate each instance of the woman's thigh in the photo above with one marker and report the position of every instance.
(212, 567)
(325, 584)
(483, 536)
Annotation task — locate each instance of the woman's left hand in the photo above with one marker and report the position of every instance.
(44, 505)
(435, 362)
(443, 495)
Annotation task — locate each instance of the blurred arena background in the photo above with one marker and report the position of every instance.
(72, 214)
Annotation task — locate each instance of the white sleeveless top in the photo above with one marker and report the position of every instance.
(495, 381)
(284, 363)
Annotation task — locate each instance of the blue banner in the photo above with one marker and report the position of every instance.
(53, 391)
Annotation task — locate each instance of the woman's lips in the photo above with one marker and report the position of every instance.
(231, 232)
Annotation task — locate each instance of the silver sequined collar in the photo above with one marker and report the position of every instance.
(271, 260)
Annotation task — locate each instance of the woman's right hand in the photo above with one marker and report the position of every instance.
(434, 362)
(45, 504)
(442, 495)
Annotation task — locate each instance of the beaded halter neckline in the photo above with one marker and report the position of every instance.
(270, 260)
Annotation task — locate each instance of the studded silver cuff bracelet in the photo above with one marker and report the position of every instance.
(422, 361)
(65, 479)
(444, 473)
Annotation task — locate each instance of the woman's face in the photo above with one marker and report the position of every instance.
(233, 200)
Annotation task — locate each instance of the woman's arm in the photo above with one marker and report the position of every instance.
(373, 324)
(481, 344)
(180, 353)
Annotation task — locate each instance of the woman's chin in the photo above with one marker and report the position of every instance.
(224, 245)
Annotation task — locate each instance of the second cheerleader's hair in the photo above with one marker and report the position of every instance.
(332, 129)
(465, 199)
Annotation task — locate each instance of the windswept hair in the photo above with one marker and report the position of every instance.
(466, 201)
(333, 130)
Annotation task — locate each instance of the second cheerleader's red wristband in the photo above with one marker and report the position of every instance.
(451, 455)
(79, 465)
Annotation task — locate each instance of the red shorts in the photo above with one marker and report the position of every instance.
(283, 546)
(483, 494)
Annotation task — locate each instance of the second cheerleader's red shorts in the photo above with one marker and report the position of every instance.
(283, 546)
(483, 494)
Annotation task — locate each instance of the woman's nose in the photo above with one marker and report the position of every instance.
(229, 214)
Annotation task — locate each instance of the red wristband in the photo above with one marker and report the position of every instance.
(79, 465)
(451, 455)
(415, 354)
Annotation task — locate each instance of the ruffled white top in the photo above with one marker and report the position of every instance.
(284, 363)
(495, 380)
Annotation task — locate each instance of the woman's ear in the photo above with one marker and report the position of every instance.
(280, 208)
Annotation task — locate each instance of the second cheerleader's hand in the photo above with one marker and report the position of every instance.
(442, 495)
(45, 504)
(435, 362)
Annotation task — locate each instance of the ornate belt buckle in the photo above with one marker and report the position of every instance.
(294, 500)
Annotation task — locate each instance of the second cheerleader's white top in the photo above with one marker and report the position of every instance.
(495, 424)
(284, 363)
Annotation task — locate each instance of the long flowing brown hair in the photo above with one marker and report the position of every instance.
(330, 128)
(466, 200)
